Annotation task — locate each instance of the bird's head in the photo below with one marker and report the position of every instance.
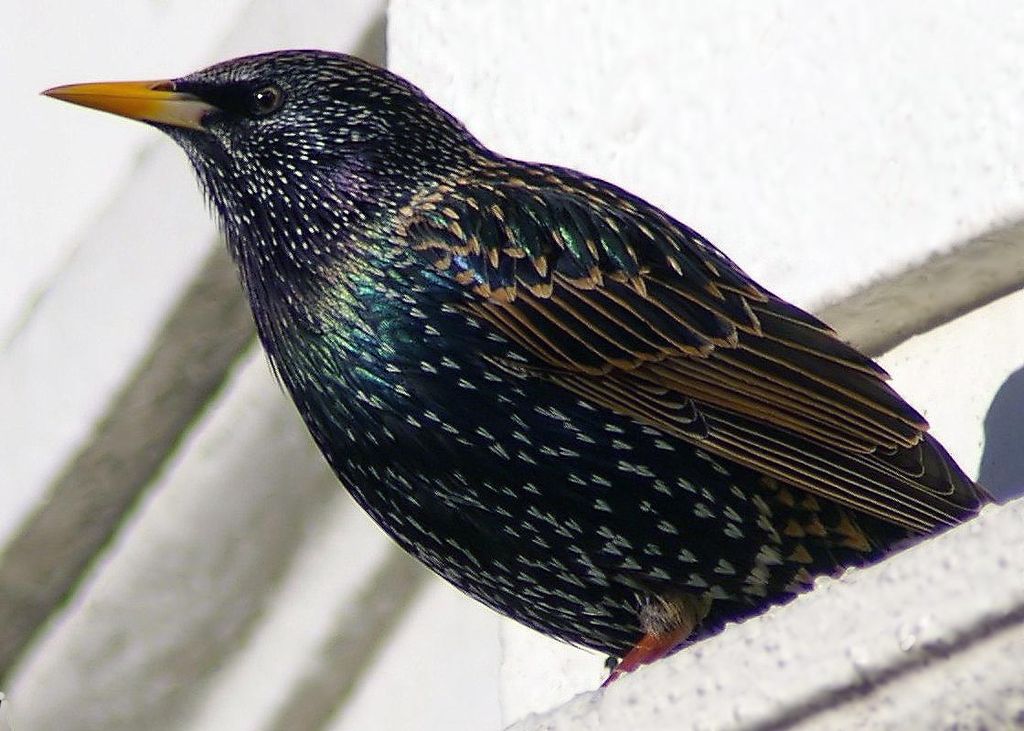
(294, 141)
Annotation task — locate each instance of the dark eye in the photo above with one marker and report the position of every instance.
(266, 99)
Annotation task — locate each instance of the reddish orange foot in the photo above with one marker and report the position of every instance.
(666, 620)
(651, 647)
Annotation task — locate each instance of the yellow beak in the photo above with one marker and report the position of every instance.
(148, 101)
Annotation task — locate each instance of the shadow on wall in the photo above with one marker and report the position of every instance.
(1002, 463)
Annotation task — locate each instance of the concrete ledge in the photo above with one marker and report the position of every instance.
(876, 641)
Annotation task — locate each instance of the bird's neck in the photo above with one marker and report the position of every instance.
(338, 287)
(344, 344)
(332, 287)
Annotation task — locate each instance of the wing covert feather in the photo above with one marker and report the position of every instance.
(630, 309)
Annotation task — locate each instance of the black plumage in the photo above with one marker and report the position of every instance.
(558, 397)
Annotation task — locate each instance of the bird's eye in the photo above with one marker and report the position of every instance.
(266, 99)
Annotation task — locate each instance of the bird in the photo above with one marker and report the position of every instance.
(558, 397)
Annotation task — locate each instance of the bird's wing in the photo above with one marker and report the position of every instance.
(630, 309)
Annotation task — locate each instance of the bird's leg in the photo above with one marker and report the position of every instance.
(666, 621)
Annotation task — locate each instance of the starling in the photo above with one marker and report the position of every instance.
(559, 398)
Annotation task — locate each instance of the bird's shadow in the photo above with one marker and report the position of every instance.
(1002, 462)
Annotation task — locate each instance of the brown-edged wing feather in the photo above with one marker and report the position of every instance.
(630, 309)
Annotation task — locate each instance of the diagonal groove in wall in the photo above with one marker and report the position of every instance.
(186, 364)
(358, 636)
(884, 313)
